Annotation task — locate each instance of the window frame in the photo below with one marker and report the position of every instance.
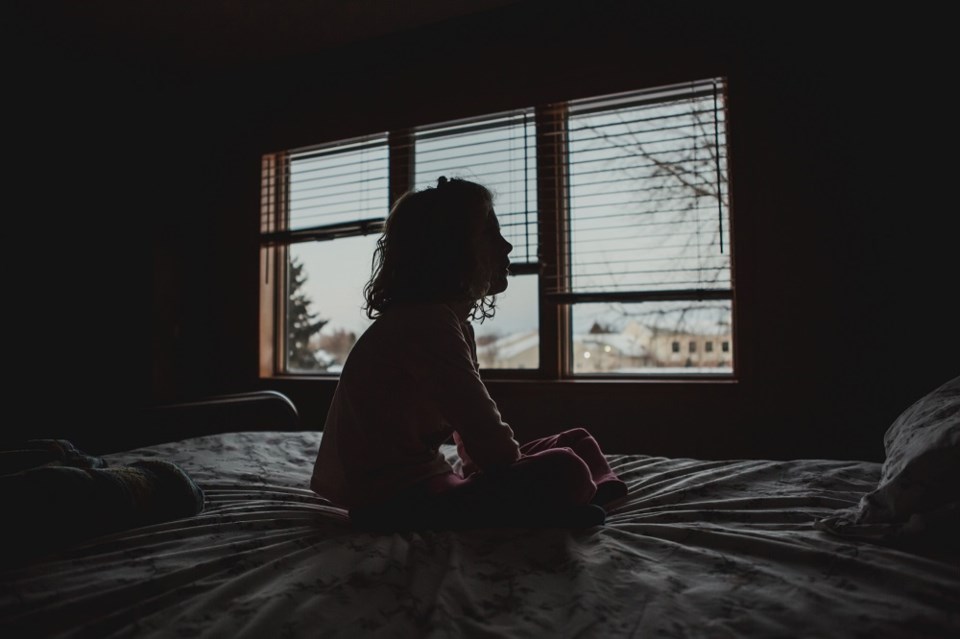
(553, 224)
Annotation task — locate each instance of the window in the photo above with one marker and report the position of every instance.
(708, 347)
(321, 209)
(617, 207)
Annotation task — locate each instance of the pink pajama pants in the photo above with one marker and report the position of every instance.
(563, 471)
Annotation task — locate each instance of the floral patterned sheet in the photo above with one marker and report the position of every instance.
(699, 549)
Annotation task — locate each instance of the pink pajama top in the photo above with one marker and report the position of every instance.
(410, 381)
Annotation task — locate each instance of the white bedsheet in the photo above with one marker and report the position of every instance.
(700, 549)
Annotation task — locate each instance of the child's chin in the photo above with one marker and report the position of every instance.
(498, 287)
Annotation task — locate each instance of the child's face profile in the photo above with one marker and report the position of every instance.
(492, 252)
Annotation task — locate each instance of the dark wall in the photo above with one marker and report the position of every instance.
(146, 250)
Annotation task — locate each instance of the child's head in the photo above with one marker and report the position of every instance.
(440, 244)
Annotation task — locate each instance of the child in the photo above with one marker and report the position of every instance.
(412, 381)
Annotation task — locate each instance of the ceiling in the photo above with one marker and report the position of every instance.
(213, 33)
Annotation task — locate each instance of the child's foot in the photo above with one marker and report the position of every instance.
(587, 516)
(610, 493)
(575, 517)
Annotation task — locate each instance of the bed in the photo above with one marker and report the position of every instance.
(701, 548)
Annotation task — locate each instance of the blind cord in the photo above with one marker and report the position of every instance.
(716, 156)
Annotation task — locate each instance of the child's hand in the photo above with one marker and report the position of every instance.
(467, 465)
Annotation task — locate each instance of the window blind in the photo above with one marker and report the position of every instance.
(499, 152)
(647, 196)
(325, 192)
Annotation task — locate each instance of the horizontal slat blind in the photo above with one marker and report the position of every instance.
(499, 152)
(647, 192)
(338, 185)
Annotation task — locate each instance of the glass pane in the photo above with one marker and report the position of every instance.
(325, 314)
(649, 204)
(512, 338)
(653, 338)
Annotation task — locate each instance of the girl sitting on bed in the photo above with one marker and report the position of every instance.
(412, 382)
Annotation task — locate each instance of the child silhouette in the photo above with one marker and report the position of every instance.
(412, 382)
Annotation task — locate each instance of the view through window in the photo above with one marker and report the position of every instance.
(631, 242)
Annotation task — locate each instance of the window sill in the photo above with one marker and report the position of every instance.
(580, 380)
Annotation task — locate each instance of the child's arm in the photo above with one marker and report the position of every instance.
(444, 367)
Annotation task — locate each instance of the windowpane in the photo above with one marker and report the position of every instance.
(512, 338)
(648, 192)
(333, 275)
(343, 183)
(643, 338)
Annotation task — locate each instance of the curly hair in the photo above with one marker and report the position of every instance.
(426, 252)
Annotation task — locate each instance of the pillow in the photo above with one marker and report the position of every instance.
(55, 496)
(918, 495)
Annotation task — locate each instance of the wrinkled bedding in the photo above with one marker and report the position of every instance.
(699, 549)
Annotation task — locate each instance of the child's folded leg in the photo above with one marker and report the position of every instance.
(552, 489)
(609, 486)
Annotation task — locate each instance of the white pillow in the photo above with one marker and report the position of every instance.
(919, 488)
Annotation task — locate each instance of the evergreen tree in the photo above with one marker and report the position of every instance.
(302, 323)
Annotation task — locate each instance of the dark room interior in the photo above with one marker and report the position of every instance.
(808, 488)
(137, 133)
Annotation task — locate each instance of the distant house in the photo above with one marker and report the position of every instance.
(635, 348)
(602, 350)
